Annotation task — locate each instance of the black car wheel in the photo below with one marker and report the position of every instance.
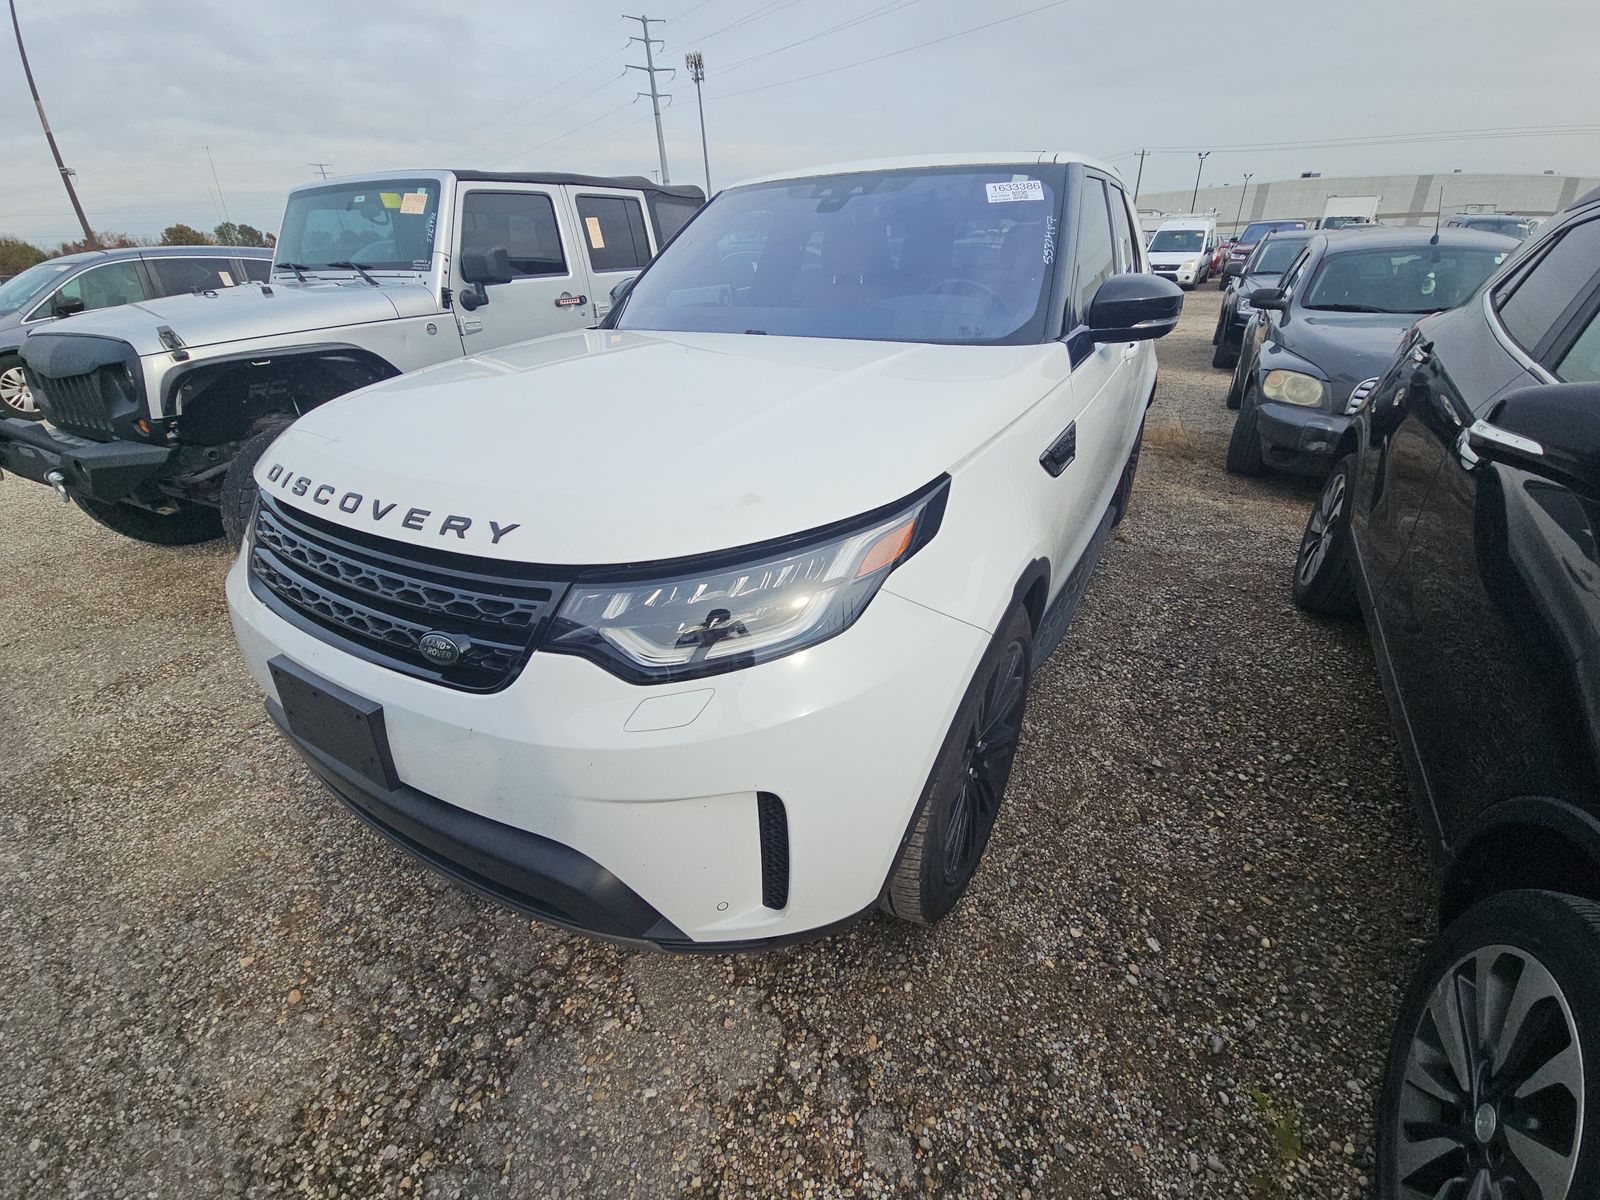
(189, 525)
(963, 794)
(1323, 579)
(1244, 447)
(239, 485)
(1227, 353)
(1498, 1034)
(16, 398)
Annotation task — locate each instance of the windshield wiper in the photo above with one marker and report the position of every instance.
(297, 268)
(357, 268)
(1351, 308)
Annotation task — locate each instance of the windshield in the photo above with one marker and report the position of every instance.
(1176, 241)
(19, 290)
(1510, 226)
(1274, 256)
(1425, 280)
(1255, 232)
(956, 255)
(384, 226)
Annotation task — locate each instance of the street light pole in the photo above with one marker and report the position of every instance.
(1238, 219)
(66, 175)
(696, 63)
(1195, 199)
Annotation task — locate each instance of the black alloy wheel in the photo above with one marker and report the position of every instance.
(986, 766)
(1323, 579)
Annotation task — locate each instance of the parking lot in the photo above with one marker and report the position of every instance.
(1173, 976)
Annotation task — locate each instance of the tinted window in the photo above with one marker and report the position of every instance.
(1554, 284)
(613, 229)
(1176, 241)
(1427, 279)
(174, 276)
(1257, 230)
(1581, 362)
(523, 222)
(672, 214)
(1296, 269)
(944, 255)
(257, 269)
(1096, 261)
(104, 287)
(1274, 256)
(1122, 230)
(386, 226)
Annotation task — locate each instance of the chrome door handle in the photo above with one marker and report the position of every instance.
(568, 300)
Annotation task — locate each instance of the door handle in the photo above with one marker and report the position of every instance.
(568, 300)
(1058, 455)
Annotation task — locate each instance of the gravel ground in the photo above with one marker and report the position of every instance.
(1173, 976)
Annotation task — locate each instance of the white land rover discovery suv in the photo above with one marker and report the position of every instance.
(713, 626)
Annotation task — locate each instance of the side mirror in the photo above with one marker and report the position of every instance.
(1233, 270)
(65, 306)
(486, 267)
(1134, 308)
(1272, 299)
(619, 293)
(1550, 429)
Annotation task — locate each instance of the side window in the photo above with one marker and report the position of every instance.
(175, 276)
(672, 214)
(1095, 258)
(1581, 362)
(258, 270)
(1122, 231)
(1296, 269)
(523, 222)
(1541, 302)
(614, 231)
(104, 286)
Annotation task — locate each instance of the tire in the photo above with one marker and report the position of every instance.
(1216, 334)
(1538, 950)
(1226, 354)
(239, 485)
(1244, 447)
(1124, 493)
(1324, 579)
(957, 812)
(16, 399)
(189, 526)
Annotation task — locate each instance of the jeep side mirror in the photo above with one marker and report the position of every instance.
(1551, 429)
(1134, 308)
(1272, 299)
(65, 306)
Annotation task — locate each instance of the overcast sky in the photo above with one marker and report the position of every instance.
(136, 92)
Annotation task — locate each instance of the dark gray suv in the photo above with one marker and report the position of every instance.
(77, 283)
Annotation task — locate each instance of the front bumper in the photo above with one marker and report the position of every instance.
(1299, 440)
(650, 792)
(1183, 276)
(108, 471)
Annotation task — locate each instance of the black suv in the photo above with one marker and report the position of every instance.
(1462, 520)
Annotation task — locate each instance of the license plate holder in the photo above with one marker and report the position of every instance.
(346, 727)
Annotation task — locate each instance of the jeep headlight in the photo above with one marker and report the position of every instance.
(733, 610)
(1292, 387)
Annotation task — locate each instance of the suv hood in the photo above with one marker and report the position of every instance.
(248, 312)
(607, 447)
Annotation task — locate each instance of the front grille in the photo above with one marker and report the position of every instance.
(79, 403)
(773, 824)
(381, 597)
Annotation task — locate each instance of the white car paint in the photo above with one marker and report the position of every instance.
(1189, 267)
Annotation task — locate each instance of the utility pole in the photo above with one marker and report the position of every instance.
(696, 63)
(66, 174)
(1140, 178)
(1237, 221)
(320, 168)
(650, 69)
(1195, 199)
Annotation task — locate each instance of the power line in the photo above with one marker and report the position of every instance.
(770, 9)
(557, 86)
(610, 133)
(561, 136)
(539, 120)
(883, 10)
(903, 50)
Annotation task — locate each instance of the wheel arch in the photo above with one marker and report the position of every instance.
(1032, 591)
(1530, 842)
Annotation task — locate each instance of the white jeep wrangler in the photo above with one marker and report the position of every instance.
(160, 409)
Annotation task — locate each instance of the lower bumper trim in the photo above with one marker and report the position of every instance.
(108, 471)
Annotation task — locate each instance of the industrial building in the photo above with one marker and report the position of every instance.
(1403, 199)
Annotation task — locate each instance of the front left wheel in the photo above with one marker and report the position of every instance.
(16, 398)
(962, 798)
(1324, 580)
(1497, 1039)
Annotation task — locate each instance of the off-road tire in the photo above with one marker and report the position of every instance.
(928, 880)
(189, 526)
(239, 486)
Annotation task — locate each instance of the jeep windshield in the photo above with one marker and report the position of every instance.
(1402, 280)
(960, 254)
(387, 225)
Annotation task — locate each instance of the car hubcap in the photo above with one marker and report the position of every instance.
(14, 393)
(1491, 1106)
(1320, 532)
(991, 746)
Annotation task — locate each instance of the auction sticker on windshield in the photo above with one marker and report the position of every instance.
(1020, 189)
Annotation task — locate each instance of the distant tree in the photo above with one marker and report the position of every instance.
(103, 241)
(183, 235)
(17, 255)
(231, 234)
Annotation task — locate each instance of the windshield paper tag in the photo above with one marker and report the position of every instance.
(414, 203)
(1006, 193)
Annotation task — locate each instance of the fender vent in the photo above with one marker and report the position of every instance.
(773, 823)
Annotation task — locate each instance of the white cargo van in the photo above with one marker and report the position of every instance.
(1181, 249)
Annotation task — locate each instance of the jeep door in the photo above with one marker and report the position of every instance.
(549, 285)
(616, 238)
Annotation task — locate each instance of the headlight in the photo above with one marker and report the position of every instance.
(744, 607)
(1191, 264)
(1293, 388)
